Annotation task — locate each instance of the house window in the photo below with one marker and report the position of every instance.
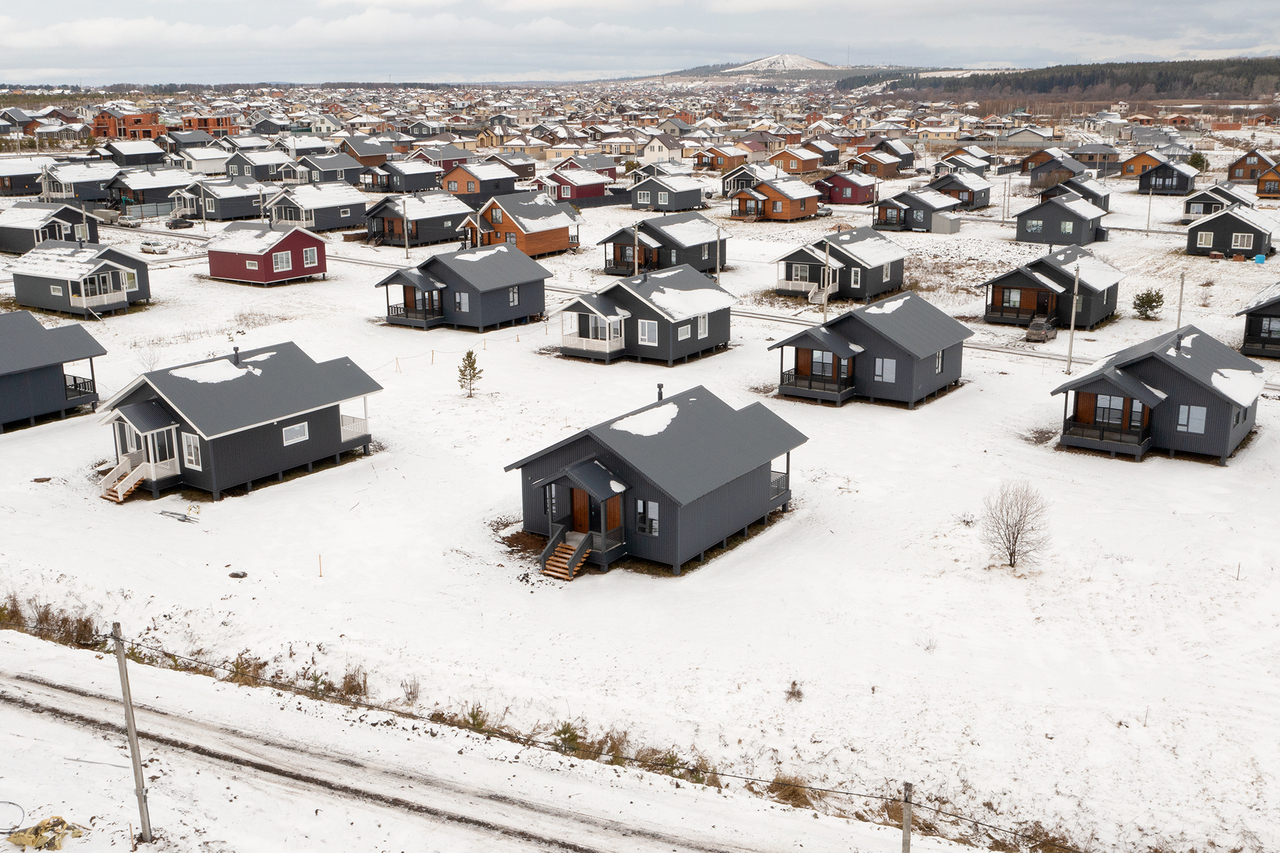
(647, 517)
(235, 170)
(495, 216)
(674, 260)
(1195, 208)
(251, 265)
(886, 370)
(130, 282)
(917, 215)
(1271, 186)
(1191, 419)
(683, 332)
(208, 205)
(1128, 169)
(1067, 227)
(1135, 415)
(1270, 327)
(471, 186)
(648, 332)
(453, 186)
(281, 261)
(937, 362)
(1035, 226)
(793, 164)
(340, 173)
(777, 207)
(822, 362)
(549, 500)
(513, 296)
(1251, 160)
(706, 251)
(662, 198)
(566, 191)
(315, 176)
(310, 257)
(55, 290)
(642, 196)
(191, 451)
(1011, 298)
(1204, 239)
(1110, 410)
(295, 434)
(344, 212)
(702, 326)
(81, 232)
(462, 302)
(1242, 241)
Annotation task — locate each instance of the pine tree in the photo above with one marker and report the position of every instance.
(469, 372)
(1148, 303)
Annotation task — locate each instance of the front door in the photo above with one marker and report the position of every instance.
(613, 513)
(410, 298)
(1042, 302)
(581, 512)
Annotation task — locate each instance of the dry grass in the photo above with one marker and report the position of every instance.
(790, 790)
(41, 619)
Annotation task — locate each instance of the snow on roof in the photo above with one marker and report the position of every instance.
(1081, 208)
(933, 198)
(1247, 215)
(266, 158)
(429, 205)
(793, 188)
(867, 246)
(333, 194)
(142, 146)
(648, 422)
(141, 179)
(1268, 294)
(489, 171)
(414, 167)
(1242, 386)
(682, 304)
(680, 183)
(249, 238)
(78, 173)
(581, 177)
(24, 165)
(68, 262)
(886, 307)
(206, 154)
(28, 215)
(213, 372)
(692, 232)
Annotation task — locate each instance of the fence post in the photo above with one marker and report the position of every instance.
(906, 817)
(131, 731)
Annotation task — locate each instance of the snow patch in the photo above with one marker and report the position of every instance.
(1242, 386)
(887, 307)
(682, 304)
(480, 256)
(617, 487)
(213, 372)
(649, 422)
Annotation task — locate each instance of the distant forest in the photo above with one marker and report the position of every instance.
(1210, 79)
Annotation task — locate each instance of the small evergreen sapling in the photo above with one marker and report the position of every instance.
(1148, 303)
(469, 372)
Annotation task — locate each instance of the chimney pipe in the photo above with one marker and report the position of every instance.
(659, 392)
(1178, 346)
(235, 355)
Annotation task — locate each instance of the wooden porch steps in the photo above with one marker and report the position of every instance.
(113, 493)
(558, 563)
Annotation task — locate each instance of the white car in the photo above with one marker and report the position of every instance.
(154, 247)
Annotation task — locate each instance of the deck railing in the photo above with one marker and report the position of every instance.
(834, 384)
(415, 313)
(779, 482)
(591, 344)
(78, 386)
(113, 298)
(1260, 342)
(607, 541)
(353, 427)
(1009, 313)
(1106, 432)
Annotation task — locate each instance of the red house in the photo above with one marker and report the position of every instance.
(847, 188)
(258, 253)
(573, 184)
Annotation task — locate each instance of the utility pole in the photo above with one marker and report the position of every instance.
(131, 730)
(404, 222)
(635, 249)
(1182, 283)
(1150, 195)
(826, 280)
(906, 817)
(1071, 341)
(717, 254)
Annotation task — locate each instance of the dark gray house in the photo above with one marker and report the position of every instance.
(154, 189)
(33, 368)
(227, 421)
(748, 176)
(664, 483)
(1055, 170)
(21, 176)
(969, 188)
(223, 199)
(85, 279)
(319, 207)
(81, 182)
(1262, 323)
(1043, 288)
(408, 176)
(1235, 230)
(901, 349)
(127, 153)
(1217, 197)
(477, 289)
(1087, 188)
(663, 316)
(678, 192)
(27, 224)
(895, 147)
(1168, 178)
(1064, 220)
(860, 263)
(918, 210)
(1180, 391)
(323, 169)
(264, 165)
(524, 165)
(432, 217)
(665, 241)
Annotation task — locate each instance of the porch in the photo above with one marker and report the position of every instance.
(1112, 438)
(146, 439)
(584, 518)
(421, 305)
(821, 368)
(1260, 345)
(588, 335)
(832, 389)
(80, 391)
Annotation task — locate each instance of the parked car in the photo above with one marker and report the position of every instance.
(154, 247)
(823, 210)
(108, 216)
(180, 223)
(129, 221)
(1041, 330)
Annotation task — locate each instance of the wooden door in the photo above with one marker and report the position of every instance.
(1085, 403)
(410, 297)
(1042, 302)
(581, 512)
(804, 362)
(613, 513)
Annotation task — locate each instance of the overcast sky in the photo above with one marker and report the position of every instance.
(219, 41)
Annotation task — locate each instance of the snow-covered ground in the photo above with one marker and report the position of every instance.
(1121, 693)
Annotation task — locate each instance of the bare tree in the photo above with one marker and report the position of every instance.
(1015, 519)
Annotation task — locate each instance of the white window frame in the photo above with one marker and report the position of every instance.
(1204, 239)
(208, 205)
(566, 191)
(886, 370)
(642, 196)
(191, 452)
(251, 265)
(233, 169)
(81, 231)
(130, 281)
(311, 256)
(1195, 208)
(647, 333)
(281, 261)
(296, 437)
(1035, 226)
(1241, 241)
(1191, 419)
(683, 332)
(937, 363)
(344, 212)
(513, 295)
(703, 326)
(662, 197)
(462, 302)
(55, 290)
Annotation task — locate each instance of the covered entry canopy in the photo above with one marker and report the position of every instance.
(589, 475)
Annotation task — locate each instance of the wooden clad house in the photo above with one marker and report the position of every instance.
(1056, 170)
(969, 188)
(1140, 163)
(876, 163)
(665, 483)
(778, 200)
(259, 165)
(901, 349)
(1250, 165)
(1268, 185)
(80, 182)
(476, 183)
(261, 253)
(402, 176)
(1179, 391)
(721, 158)
(1043, 288)
(27, 224)
(747, 176)
(796, 161)
(1061, 221)
(319, 207)
(323, 169)
(230, 420)
(432, 217)
(859, 263)
(847, 188)
(368, 152)
(34, 378)
(667, 193)
(533, 222)
(478, 289)
(664, 316)
(1262, 323)
(84, 279)
(1233, 232)
(665, 241)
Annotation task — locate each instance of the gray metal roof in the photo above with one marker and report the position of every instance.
(909, 321)
(219, 397)
(147, 417)
(1265, 298)
(490, 267)
(25, 344)
(821, 338)
(692, 443)
(413, 277)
